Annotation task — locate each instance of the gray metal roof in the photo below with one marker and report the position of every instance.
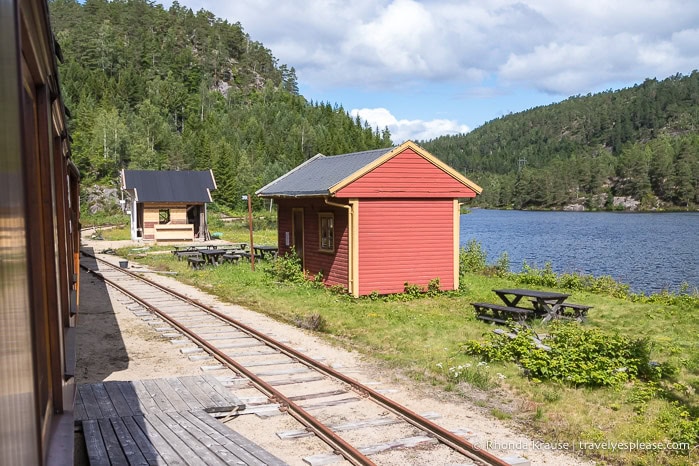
(170, 186)
(318, 174)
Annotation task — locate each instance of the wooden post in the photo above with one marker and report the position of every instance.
(252, 248)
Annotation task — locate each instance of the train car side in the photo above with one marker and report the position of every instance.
(39, 244)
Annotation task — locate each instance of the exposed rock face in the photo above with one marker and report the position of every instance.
(599, 201)
(101, 199)
(628, 203)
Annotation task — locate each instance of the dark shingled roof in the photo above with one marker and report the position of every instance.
(170, 186)
(317, 175)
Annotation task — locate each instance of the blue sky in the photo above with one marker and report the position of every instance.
(434, 67)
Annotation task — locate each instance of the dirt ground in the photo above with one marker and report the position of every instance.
(114, 344)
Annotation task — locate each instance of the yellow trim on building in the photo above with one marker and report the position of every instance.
(397, 150)
(457, 237)
(354, 247)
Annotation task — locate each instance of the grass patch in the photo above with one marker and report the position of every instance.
(423, 336)
(500, 414)
(117, 233)
(236, 228)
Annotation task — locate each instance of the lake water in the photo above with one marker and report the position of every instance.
(648, 251)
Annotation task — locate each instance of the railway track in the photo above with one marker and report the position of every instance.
(288, 379)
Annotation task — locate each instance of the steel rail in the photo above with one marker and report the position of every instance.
(339, 445)
(459, 444)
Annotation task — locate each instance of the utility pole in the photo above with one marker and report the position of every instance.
(521, 163)
(252, 247)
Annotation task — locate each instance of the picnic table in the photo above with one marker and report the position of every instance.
(262, 251)
(546, 304)
(212, 255)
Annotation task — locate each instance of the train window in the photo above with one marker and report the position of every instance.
(164, 216)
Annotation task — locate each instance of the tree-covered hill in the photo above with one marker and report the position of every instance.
(641, 142)
(149, 88)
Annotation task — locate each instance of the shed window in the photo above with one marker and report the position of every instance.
(327, 231)
(164, 216)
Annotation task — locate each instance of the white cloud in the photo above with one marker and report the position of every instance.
(403, 130)
(556, 46)
(395, 39)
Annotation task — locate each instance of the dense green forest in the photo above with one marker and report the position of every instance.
(149, 88)
(640, 142)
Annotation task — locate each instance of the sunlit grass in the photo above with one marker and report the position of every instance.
(121, 233)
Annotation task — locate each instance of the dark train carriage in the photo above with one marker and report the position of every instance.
(39, 241)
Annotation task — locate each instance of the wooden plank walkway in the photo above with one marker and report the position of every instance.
(106, 400)
(163, 422)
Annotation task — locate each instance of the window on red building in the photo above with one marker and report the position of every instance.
(327, 231)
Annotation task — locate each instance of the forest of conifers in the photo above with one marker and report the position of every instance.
(150, 88)
(640, 142)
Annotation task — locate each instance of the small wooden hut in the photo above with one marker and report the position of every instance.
(372, 221)
(168, 206)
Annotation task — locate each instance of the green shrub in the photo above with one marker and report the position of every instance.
(502, 265)
(641, 394)
(287, 268)
(433, 287)
(472, 258)
(678, 425)
(100, 219)
(546, 277)
(412, 290)
(533, 276)
(572, 281)
(314, 322)
(477, 375)
(577, 355)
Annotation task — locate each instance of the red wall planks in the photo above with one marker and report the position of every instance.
(334, 267)
(405, 240)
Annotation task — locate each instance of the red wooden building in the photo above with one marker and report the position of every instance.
(374, 220)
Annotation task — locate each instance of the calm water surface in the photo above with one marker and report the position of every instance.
(648, 251)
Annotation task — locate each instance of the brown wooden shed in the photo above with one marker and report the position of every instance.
(168, 206)
(372, 221)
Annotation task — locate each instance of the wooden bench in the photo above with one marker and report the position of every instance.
(196, 262)
(232, 258)
(570, 311)
(500, 313)
(578, 311)
(187, 253)
(230, 250)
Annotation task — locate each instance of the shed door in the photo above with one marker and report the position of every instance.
(194, 218)
(297, 228)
